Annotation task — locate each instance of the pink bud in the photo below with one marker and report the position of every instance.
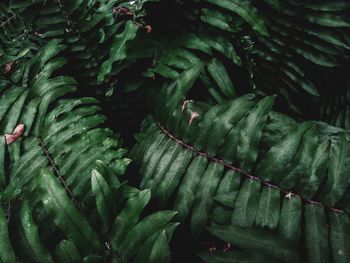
(8, 67)
(148, 29)
(10, 138)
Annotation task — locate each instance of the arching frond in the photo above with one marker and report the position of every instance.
(219, 164)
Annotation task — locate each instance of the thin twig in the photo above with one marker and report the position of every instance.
(8, 20)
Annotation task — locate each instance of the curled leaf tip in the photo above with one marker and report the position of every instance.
(193, 116)
(184, 104)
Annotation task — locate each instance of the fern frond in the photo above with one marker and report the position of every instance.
(59, 176)
(96, 33)
(291, 48)
(286, 55)
(218, 163)
(218, 147)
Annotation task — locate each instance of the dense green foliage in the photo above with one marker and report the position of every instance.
(244, 140)
(59, 180)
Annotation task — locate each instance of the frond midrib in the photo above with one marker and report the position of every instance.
(288, 194)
